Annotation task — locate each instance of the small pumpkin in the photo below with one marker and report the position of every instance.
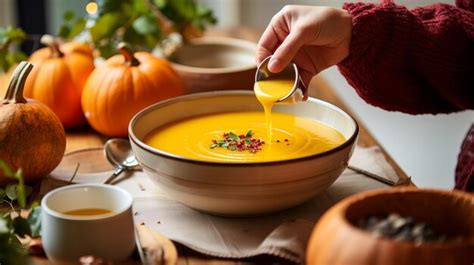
(58, 78)
(125, 84)
(31, 135)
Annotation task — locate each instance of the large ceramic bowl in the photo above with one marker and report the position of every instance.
(240, 188)
(215, 63)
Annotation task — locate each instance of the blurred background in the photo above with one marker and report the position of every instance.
(425, 146)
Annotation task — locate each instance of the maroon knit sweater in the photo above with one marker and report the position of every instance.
(416, 61)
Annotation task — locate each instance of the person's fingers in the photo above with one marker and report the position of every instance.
(285, 52)
(267, 42)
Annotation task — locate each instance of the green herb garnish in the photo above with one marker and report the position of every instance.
(234, 142)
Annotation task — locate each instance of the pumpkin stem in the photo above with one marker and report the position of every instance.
(128, 54)
(17, 83)
(52, 43)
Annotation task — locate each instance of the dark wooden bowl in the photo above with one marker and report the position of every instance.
(336, 239)
(211, 63)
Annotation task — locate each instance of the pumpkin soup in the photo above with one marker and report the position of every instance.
(268, 92)
(215, 137)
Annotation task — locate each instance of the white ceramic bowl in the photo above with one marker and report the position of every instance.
(215, 63)
(240, 188)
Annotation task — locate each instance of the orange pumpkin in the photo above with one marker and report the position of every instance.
(125, 84)
(31, 135)
(58, 78)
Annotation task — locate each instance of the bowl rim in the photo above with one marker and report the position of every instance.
(350, 141)
(104, 187)
(241, 43)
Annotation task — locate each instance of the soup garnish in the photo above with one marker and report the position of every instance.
(234, 142)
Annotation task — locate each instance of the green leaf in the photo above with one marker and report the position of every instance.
(106, 6)
(4, 228)
(145, 25)
(139, 6)
(2, 193)
(234, 136)
(249, 134)
(160, 3)
(212, 146)
(107, 48)
(185, 8)
(77, 28)
(7, 171)
(21, 227)
(14, 57)
(106, 26)
(68, 15)
(34, 204)
(64, 31)
(11, 35)
(34, 221)
(247, 141)
(12, 191)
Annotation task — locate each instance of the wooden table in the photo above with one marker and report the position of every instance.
(86, 138)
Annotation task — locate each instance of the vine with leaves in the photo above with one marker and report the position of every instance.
(14, 224)
(9, 56)
(141, 23)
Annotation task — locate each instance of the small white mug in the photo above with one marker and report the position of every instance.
(67, 237)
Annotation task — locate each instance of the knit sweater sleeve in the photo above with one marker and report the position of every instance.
(418, 61)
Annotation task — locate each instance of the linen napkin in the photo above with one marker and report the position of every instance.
(283, 234)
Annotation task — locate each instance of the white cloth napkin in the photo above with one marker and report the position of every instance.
(283, 234)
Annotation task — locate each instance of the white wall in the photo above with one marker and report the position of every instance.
(425, 146)
(7, 13)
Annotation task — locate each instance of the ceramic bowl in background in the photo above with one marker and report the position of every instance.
(240, 188)
(66, 237)
(337, 240)
(215, 63)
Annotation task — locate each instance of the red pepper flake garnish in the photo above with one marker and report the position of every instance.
(234, 142)
(286, 140)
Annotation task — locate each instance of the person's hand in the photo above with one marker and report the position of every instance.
(315, 38)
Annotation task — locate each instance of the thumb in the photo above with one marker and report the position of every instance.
(285, 52)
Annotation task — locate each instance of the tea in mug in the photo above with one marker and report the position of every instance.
(88, 211)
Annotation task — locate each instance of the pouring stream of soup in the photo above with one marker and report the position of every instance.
(268, 92)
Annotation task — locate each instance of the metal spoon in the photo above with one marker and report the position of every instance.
(119, 152)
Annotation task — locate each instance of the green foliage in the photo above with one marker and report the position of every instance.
(71, 26)
(34, 220)
(17, 192)
(9, 37)
(11, 228)
(135, 22)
